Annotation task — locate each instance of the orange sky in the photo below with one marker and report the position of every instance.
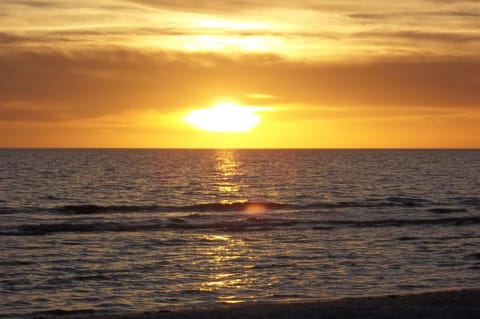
(344, 73)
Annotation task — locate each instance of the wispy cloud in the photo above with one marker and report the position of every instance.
(320, 30)
(33, 3)
(453, 38)
(216, 6)
(385, 16)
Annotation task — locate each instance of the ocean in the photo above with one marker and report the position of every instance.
(118, 231)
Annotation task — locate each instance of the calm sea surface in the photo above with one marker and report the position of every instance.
(132, 230)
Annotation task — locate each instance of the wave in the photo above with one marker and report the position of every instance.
(251, 223)
(372, 203)
(408, 202)
(86, 209)
(6, 210)
(98, 209)
(475, 257)
(80, 313)
(208, 207)
(445, 210)
(468, 201)
(454, 221)
(91, 209)
(45, 229)
(236, 206)
(246, 206)
(243, 224)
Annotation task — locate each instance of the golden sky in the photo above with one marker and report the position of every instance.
(322, 74)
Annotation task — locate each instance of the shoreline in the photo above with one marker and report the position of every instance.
(463, 303)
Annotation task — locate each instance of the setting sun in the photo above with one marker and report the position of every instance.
(307, 158)
(224, 117)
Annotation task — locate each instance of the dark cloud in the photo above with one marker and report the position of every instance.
(93, 83)
(42, 38)
(410, 82)
(453, 1)
(12, 114)
(370, 16)
(10, 38)
(441, 14)
(85, 36)
(32, 3)
(452, 38)
(81, 36)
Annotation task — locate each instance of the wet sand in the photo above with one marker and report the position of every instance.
(443, 304)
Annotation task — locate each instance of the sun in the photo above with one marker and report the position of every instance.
(224, 117)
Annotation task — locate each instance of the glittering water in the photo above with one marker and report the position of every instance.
(135, 230)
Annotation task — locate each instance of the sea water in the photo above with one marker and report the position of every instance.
(115, 231)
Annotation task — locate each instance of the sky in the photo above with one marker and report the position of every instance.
(321, 74)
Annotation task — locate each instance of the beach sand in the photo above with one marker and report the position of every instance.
(444, 304)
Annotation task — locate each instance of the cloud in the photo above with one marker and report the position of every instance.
(341, 29)
(15, 113)
(404, 82)
(10, 38)
(82, 35)
(88, 84)
(425, 14)
(452, 38)
(453, 1)
(214, 6)
(338, 6)
(444, 42)
(110, 36)
(31, 3)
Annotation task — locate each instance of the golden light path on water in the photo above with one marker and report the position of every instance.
(227, 168)
(227, 249)
(221, 255)
(229, 173)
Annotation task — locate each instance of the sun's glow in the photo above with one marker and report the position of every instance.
(232, 25)
(230, 43)
(224, 117)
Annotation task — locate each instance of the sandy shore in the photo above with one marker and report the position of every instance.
(444, 304)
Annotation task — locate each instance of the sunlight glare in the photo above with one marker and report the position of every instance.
(230, 43)
(232, 25)
(224, 117)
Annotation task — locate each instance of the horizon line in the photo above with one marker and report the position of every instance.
(239, 148)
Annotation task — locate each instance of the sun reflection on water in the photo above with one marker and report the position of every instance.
(255, 208)
(227, 166)
(225, 278)
(227, 260)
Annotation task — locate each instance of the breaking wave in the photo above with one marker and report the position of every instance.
(209, 207)
(241, 224)
(88, 209)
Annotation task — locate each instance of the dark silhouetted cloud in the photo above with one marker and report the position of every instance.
(33, 3)
(441, 37)
(94, 83)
